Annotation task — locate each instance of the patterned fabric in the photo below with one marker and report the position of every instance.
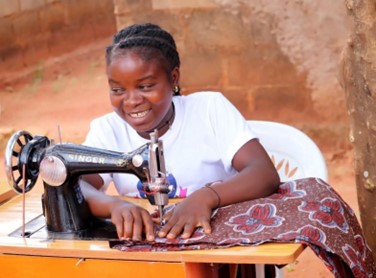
(306, 211)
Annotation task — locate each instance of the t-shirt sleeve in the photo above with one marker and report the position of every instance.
(231, 129)
(96, 137)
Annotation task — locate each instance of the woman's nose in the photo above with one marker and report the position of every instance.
(133, 98)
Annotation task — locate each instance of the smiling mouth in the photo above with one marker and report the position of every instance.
(139, 114)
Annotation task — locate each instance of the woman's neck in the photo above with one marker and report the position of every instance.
(163, 126)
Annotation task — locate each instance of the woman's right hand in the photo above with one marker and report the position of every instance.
(131, 221)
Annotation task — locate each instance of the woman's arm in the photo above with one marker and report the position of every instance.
(256, 178)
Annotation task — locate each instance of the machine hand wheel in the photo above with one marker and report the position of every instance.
(14, 165)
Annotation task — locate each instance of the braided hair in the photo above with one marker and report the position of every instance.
(150, 41)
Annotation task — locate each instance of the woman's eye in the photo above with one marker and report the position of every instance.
(117, 91)
(146, 87)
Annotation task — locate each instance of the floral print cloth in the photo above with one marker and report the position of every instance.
(306, 211)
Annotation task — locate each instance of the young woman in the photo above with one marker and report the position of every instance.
(206, 140)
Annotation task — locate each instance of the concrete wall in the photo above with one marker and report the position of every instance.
(34, 30)
(275, 59)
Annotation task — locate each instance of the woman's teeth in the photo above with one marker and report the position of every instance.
(139, 114)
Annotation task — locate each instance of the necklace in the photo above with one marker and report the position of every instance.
(163, 126)
(171, 118)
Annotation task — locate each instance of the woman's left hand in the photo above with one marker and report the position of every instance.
(195, 211)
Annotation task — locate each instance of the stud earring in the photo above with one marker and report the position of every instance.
(176, 89)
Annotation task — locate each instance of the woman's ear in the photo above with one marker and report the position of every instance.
(175, 76)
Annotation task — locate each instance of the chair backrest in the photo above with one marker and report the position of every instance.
(293, 153)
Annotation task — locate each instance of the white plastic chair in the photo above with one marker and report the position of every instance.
(294, 154)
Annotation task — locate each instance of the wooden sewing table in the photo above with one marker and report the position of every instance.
(28, 257)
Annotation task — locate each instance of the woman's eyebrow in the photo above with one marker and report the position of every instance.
(113, 81)
(146, 77)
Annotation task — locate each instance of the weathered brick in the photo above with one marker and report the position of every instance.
(9, 7)
(11, 58)
(7, 35)
(193, 4)
(31, 4)
(70, 38)
(77, 12)
(26, 25)
(260, 31)
(202, 69)
(238, 97)
(273, 101)
(50, 28)
(52, 17)
(97, 13)
(104, 26)
(169, 21)
(105, 7)
(36, 52)
(122, 7)
(261, 66)
(216, 29)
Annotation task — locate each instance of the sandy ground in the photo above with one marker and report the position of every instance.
(71, 92)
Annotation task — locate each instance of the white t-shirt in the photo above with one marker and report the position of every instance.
(199, 146)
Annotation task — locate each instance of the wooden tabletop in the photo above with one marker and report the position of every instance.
(6, 192)
(11, 220)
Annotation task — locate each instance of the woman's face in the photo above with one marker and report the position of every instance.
(140, 91)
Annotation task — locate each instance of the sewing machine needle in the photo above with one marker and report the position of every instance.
(161, 215)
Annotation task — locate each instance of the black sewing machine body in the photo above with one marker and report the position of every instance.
(64, 206)
(61, 166)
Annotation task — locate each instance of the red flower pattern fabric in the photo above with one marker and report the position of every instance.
(307, 211)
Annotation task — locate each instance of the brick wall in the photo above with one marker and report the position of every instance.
(34, 30)
(272, 59)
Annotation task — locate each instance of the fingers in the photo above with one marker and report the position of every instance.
(172, 227)
(126, 223)
(149, 227)
(140, 224)
(134, 231)
(119, 226)
(123, 222)
(165, 229)
(130, 224)
(207, 228)
(188, 231)
(186, 228)
(132, 221)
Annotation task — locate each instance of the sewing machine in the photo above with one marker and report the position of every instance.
(61, 166)
(49, 252)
